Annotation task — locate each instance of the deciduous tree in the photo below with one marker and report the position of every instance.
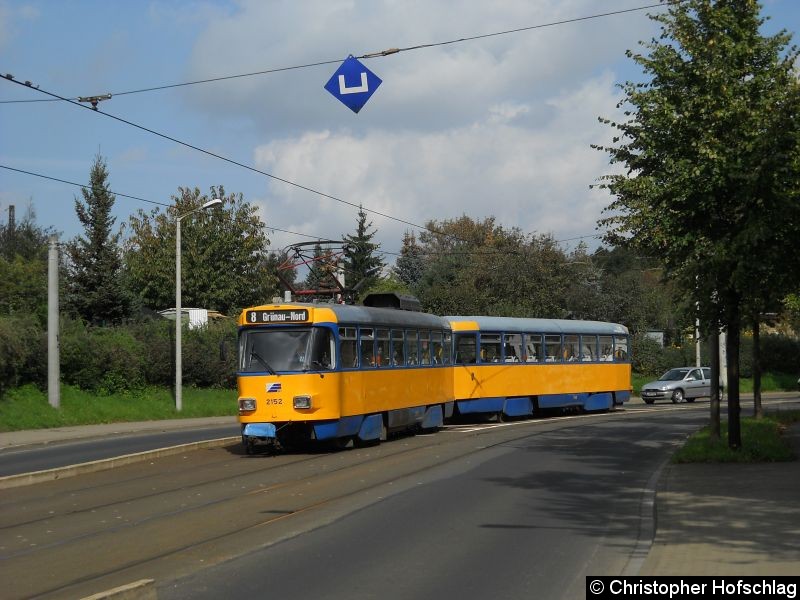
(223, 261)
(710, 155)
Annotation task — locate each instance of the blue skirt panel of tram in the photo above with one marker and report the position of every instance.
(526, 406)
(364, 427)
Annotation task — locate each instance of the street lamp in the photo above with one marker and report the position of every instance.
(178, 361)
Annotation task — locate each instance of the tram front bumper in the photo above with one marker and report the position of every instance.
(259, 430)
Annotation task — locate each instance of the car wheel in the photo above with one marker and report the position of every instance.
(677, 396)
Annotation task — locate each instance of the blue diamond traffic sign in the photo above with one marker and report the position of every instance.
(353, 84)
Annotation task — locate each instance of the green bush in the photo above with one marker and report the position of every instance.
(781, 354)
(101, 359)
(23, 351)
(209, 355)
(157, 338)
(649, 358)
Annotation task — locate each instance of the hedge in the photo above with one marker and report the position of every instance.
(113, 359)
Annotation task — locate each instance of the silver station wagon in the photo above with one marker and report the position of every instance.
(678, 385)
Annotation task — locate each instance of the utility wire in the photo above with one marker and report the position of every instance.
(80, 185)
(27, 84)
(115, 193)
(268, 227)
(95, 99)
(379, 54)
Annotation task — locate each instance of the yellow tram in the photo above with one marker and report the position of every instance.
(516, 367)
(340, 372)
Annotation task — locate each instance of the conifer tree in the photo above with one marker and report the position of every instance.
(95, 291)
(410, 264)
(362, 264)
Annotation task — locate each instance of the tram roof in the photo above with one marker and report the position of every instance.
(522, 325)
(365, 315)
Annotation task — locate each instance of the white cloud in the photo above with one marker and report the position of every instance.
(439, 87)
(533, 177)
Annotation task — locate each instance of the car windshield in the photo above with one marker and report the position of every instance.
(674, 375)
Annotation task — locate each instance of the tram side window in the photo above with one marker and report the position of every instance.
(436, 345)
(571, 348)
(398, 348)
(533, 347)
(448, 345)
(382, 348)
(425, 347)
(413, 347)
(620, 348)
(466, 349)
(606, 347)
(588, 347)
(349, 347)
(491, 349)
(366, 348)
(552, 348)
(512, 347)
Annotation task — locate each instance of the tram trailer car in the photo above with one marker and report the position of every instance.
(516, 367)
(340, 372)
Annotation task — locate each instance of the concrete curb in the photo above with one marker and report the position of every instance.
(22, 479)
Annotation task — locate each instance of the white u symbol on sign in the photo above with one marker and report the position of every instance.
(343, 89)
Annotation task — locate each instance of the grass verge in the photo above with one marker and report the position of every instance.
(761, 442)
(27, 407)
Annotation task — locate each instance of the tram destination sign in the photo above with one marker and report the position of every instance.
(277, 316)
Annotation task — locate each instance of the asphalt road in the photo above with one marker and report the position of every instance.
(530, 513)
(27, 459)
(503, 510)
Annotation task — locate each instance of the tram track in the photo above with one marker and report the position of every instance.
(207, 515)
(288, 461)
(377, 477)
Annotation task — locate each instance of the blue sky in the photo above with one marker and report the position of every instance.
(499, 126)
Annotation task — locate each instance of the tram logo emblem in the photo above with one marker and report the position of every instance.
(273, 387)
(352, 84)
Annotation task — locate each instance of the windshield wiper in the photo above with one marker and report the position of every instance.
(257, 356)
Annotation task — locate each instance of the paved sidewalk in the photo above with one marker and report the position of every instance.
(728, 519)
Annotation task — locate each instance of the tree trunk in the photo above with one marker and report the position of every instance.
(713, 342)
(758, 410)
(734, 408)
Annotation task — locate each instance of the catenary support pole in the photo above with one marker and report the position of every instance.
(53, 351)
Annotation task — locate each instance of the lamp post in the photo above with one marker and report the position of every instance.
(178, 361)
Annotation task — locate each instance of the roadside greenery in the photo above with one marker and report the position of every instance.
(762, 441)
(26, 407)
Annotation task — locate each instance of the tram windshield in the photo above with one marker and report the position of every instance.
(281, 350)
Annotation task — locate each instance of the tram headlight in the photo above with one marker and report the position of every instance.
(301, 402)
(247, 404)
